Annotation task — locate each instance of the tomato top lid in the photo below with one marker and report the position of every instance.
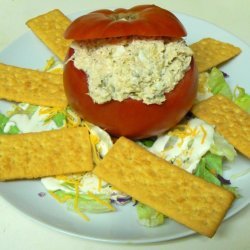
(141, 20)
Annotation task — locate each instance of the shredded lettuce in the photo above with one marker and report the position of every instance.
(242, 99)
(185, 144)
(23, 109)
(210, 168)
(13, 129)
(3, 120)
(148, 216)
(59, 119)
(50, 63)
(85, 202)
(58, 116)
(218, 84)
(222, 147)
(148, 142)
(53, 66)
(204, 172)
(214, 163)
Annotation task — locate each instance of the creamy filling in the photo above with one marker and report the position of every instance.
(141, 69)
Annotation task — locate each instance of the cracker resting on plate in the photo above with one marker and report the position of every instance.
(209, 53)
(229, 119)
(32, 86)
(170, 190)
(49, 28)
(55, 152)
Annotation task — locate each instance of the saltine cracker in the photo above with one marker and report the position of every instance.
(50, 28)
(32, 86)
(49, 153)
(229, 119)
(170, 190)
(209, 53)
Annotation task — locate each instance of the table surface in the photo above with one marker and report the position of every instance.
(18, 231)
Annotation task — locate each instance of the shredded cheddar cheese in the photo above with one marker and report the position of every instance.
(60, 199)
(72, 119)
(50, 112)
(53, 66)
(76, 203)
(99, 184)
(49, 64)
(204, 134)
(75, 180)
(183, 131)
(212, 171)
(104, 203)
(94, 140)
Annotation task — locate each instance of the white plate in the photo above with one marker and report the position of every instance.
(121, 226)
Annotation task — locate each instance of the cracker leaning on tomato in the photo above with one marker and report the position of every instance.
(129, 71)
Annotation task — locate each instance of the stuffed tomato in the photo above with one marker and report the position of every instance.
(130, 71)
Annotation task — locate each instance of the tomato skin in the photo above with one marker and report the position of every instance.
(142, 20)
(130, 118)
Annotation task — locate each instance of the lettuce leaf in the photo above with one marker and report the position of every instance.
(148, 216)
(222, 147)
(148, 142)
(24, 109)
(210, 169)
(12, 129)
(214, 163)
(3, 120)
(85, 202)
(59, 119)
(203, 172)
(242, 99)
(218, 85)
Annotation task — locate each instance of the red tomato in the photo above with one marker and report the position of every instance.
(130, 118)
(142, 20)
